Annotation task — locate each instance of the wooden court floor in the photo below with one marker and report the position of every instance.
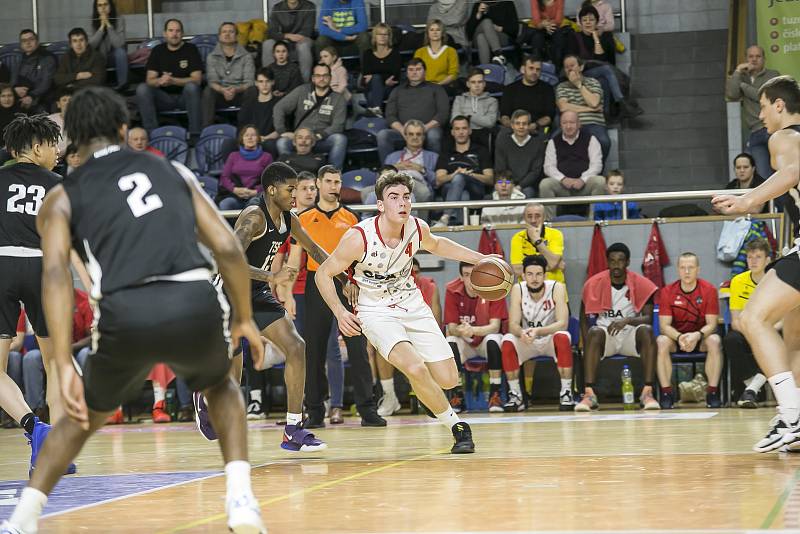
(678, 471)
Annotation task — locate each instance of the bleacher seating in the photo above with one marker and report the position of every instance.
(171, 140)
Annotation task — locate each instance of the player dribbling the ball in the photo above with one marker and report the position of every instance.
(391, 312)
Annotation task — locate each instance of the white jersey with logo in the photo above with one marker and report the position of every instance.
(621, 307)
(536, 314)
(383, 274)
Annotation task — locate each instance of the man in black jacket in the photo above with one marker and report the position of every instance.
(33, 77)
(81, 65)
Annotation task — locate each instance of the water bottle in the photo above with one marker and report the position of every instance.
(627, 389)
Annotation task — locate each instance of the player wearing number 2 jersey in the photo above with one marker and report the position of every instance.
(391, 311)
(135, 220)
(32, 141)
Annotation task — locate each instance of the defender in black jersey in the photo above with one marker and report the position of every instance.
(777, 296)
(23, 185)
(135, 220)
(261, 230)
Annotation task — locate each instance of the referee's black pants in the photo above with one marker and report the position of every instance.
(318, 321)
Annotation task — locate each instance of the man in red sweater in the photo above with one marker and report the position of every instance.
(688, 313)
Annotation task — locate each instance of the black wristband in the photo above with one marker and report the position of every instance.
(538, 242)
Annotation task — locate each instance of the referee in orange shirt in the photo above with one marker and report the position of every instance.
(326, 222)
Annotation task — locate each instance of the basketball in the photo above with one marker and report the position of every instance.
(492, 278)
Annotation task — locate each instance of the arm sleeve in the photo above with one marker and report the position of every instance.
(283, 106)
(536, 15)
(452, 62)
(551, 163)
(391, 107)
(450, 308)
(489, 119)
(595, 160)
(711, 299)
(295, 80)
(555, 241)
(195, 61)
(442, 106)
(339, 117)
(360, 12)
(324, 29)
(515, 250)
(664, 302)
(116, 34)
(62, 75)
(46, 79)
(212, 74)
(500, 157)
(96, 38)
(249, 70)
(534, 173)
(275, 29)
(609, 48)
(308, 21)
(736, 300)
(733, 86)
(225, 181)
(549, 102)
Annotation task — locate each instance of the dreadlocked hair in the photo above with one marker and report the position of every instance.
(95, 112)
(25, 131)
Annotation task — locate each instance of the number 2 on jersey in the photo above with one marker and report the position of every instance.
(138, 202)
(16, 202)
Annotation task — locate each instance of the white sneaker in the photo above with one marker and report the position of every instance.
(255, 411)
(566, 401)
(376, 111)
(388, 405)
(8, 528)
(778, 435)
(514, 403)
(499, 59)
(443, 222)
(244, 515)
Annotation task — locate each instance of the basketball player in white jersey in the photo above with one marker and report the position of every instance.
(538, 318)
(777, 296)
(391, 312)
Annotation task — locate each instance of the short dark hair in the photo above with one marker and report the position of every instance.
(785, 88)
(280, 43)
(228, 23)
(95, 112)
(28, 30)
(615, 172)
(475, 71)
(533, 57)
(77, 31)
(266, 72)
(534, 259)
(305, 175)
(242, 130)
(25, 131)
(459, 118)
(166, 23)
(461, 266)
(415, 61)
(277, 173)
(747, 156)
(579, 59)
(588, 10)
(619, 247)
(71, 149)
(521, 113)
(759, 243)
(322, 65)
(689, 255)
(328, 169)
(503, 174)
(388, 179)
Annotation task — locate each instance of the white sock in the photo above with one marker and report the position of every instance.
(757, 382)
(448, 418)
(785, 390)
(237, 477)
(388, 387)
(294, 418)
(513, 385)
(29, 509)
(566, 384)
(496, 381)
(255, 395)
(159, 393)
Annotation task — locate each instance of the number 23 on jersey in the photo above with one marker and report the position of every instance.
(25, 199)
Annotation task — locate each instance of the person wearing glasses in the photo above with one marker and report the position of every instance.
(503, 190)
(320, 109)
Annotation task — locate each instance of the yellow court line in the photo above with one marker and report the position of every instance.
(311, 489)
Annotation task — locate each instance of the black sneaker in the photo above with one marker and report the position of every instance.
(713, 400)
(749, 399)
(372, 418)
(462, 433)
(666, 401)
(314, 422)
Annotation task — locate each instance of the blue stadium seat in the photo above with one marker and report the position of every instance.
(58, 48)
(11, 56)
(372, 125)
(549, 73)
(495, 75)
(205, 44)
(171, 140)
(358, 179)
(208, 151)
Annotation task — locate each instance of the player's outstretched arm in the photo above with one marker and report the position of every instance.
(447, 248)
(349, 249)
(786, 159)
(215, 233)
(314, 250)
(52, 224)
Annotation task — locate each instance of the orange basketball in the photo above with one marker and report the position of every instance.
(492, 278)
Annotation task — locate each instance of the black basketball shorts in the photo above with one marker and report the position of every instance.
(21, 281)
(788, 269)
(266, 309)
(182, 324)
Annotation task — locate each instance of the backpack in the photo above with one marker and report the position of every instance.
(731, 238)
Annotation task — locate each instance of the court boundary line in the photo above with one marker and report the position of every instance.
(305, 491)
(778, 506)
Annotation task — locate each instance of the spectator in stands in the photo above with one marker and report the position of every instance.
(174, 73)
(572, 163)
(240, 183)
(453, 14)
(414, 99)
(521, 153)
(584, 96)
(531, 94)
(504, 189)
(591, 44)
(109, 38)
(415, 161)
(478, 105)
(343, 24)
(33, 77)
(63, 96)
(339, 79)
(441, 61)
(606, 13)
(743, 85)
(139, 141)
(464, 172)
(491, 26)
(302, 158)
(317, 107)
(292, 22)
(81, 66)
(9, 107)
(473, 330)
(72, 159)
(612, 211)
(747, 177)
(687, 316)
(381, 68)
(286, 73)
(546, 27)
(737, 349)
(257, 108)
(537, 326)
(538, 239)
(620, 303)
(230, 72)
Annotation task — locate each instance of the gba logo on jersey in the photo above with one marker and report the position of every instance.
(535, 324)
(381, 277)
